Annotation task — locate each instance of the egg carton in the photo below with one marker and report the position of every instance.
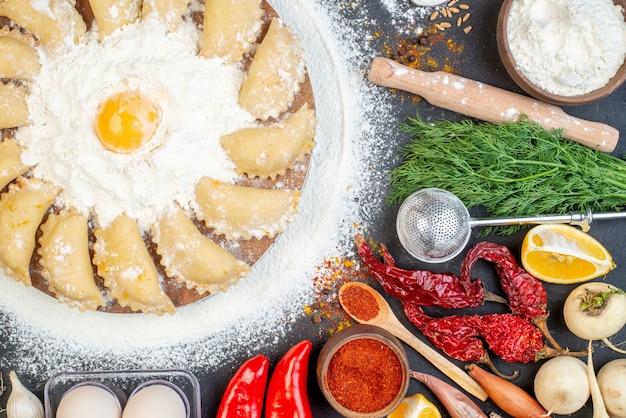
(122, 383)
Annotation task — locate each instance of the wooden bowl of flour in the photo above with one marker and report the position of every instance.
(537, 80)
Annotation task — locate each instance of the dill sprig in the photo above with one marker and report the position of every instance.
(510, 169)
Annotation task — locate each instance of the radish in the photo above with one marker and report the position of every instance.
(561, 385)
(612, 383)
(595, 311)
(599, 409)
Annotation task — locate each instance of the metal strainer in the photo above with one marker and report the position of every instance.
(434, 225)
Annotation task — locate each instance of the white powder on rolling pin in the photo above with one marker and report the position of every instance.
(567, 47)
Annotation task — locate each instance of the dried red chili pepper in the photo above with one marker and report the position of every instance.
(457, 336)
(463, 337)
(514, 339)
(526, 294)
(431, 289)
(287, 391)
(243, 397)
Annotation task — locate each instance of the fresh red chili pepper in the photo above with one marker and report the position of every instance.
(287, 391)
(430, 289)
(243, 397)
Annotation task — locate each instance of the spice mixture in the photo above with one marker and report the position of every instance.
(364, 375)
(360, 302)
(332, 273)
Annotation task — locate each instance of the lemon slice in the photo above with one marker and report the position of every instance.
(415, 406)
(564, 254)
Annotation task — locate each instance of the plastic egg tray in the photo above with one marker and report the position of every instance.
(122, 383)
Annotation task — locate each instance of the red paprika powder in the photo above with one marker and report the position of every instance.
(361, 303)
(364, 375)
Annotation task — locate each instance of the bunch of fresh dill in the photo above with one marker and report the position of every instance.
(510, 169)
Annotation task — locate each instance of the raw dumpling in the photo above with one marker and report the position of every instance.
(66, 261)
(13, 106)
(18, 59)
(192, 258)
(53, 22)
(230, 28)
(275, 74)
(268, 151)
(11, 165)
(113, 14)
(240, 212)
(170, 12)
(21, 210)
(123, 261)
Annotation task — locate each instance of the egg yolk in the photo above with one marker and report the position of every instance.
(126, 121)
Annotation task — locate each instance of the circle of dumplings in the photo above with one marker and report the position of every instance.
(184, 256)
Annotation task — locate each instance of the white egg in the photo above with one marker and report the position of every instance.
(155, 401)
(89, 400)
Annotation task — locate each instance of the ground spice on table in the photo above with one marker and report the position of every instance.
(325, 308)
(360, 303)
(364, 375)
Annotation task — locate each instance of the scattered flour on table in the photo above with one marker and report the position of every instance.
(567, 47)
(339, 195)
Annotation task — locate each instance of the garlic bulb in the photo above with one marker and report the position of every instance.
(22, 403)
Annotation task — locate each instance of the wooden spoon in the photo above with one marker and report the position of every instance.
(386, 319)
(489, 103)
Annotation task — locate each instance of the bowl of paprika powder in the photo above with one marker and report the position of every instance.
(363, 371)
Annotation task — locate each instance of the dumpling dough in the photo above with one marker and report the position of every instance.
(18, 59)
(170, 12)
(230, 28)
(21, 210)
(123, 261)
(113, 14)
(240, 212)
(66, 261)
(275, 75)
(192, 258)
(268, 151)
(54, 23)
(11, 165)
(13, 106)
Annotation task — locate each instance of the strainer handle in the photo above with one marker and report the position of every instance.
(580, 219)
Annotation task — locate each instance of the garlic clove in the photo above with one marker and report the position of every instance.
(22, 403)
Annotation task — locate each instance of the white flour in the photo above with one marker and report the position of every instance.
(340, 193)
(198, 103)
(567, 47)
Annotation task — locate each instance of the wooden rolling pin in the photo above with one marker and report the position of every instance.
(475, 99)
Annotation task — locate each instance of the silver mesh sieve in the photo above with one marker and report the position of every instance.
(433, 225)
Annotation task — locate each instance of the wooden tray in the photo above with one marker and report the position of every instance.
(249, 251)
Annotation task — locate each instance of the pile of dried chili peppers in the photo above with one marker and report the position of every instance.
(516, 336)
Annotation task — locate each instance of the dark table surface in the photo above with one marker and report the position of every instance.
(479, 60)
